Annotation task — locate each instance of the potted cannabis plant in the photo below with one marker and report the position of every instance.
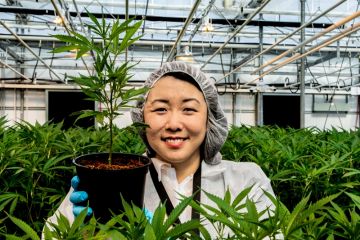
(106, 176)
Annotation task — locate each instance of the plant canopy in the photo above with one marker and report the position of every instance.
(108, 83)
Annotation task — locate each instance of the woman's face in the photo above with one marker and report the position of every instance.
(176, 113)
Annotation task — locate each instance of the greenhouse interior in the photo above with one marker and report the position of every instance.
(280, 83)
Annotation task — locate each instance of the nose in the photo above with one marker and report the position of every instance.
(174, 122)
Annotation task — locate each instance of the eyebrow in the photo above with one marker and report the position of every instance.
(167, 101)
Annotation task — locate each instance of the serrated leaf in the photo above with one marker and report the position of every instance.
(180, 229)
(355, 198)
(25, 227)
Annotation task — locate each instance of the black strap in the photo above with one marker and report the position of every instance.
(164, 196)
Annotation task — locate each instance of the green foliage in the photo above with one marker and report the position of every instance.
(131, 224)
(36, 166)
(109, 83)
(300, 162)
(236, 218)
(308, 168)
(32, 172)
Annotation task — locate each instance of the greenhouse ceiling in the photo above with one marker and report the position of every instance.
(268, 41)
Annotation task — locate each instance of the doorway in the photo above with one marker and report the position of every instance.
(62, 104)
(281, 110)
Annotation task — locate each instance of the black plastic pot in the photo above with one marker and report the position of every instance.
(105, 187)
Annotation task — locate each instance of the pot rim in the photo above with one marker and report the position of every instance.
(143, 157)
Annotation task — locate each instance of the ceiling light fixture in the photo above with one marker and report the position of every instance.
(207, 25)
(185, 55)
(58, 20)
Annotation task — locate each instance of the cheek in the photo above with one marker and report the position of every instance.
(154, 124)
(198, 125)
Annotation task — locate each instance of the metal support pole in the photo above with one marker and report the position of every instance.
(14, 70)
(302, 68)
(233, 109)
(259, 102)
(126, 18)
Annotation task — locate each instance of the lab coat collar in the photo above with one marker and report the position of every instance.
(207, 170)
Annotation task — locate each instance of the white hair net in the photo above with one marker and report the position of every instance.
(217, 128)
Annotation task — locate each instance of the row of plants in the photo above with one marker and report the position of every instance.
(36, 166)
(315, 175)
(300, 162)
(234, 218)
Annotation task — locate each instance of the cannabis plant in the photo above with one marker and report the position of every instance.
(108, 85)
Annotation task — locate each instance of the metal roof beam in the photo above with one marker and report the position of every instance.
(29, 48)
(8, 50)
(233, 22)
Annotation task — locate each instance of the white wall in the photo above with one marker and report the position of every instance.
(34, 109)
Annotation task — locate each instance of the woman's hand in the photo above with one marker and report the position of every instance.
(77, 198)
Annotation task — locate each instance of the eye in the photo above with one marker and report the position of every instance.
(190, 110)
(160, 110)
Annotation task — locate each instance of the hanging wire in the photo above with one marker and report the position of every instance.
(51, 62)
(287, 81)
(36, 64)
(338, 77)
(162, 55)
(223, 70)
(313, 81)
(351, 73)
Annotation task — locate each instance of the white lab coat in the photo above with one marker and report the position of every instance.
(215, 179)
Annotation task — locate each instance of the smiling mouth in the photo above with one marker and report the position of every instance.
(174, 140)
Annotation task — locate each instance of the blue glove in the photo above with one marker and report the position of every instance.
(77, 197)
(149, 215)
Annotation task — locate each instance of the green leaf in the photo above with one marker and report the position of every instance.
(241, 196)
(12, 237)
(78, 222)
(180, 229)
(149, 233)
(355, 198)
(25, 227)
(175, 213)
(64, 49)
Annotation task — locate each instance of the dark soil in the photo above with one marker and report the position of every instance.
(117, 163)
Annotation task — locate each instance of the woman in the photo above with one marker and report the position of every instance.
(187, 129)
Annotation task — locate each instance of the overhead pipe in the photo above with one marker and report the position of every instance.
(283, 39)
(237, 30)
(172, 53)
(246, 10)
(332, 27)
(297, 56)
(193, 44)
(336, 82)
(29, 48)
